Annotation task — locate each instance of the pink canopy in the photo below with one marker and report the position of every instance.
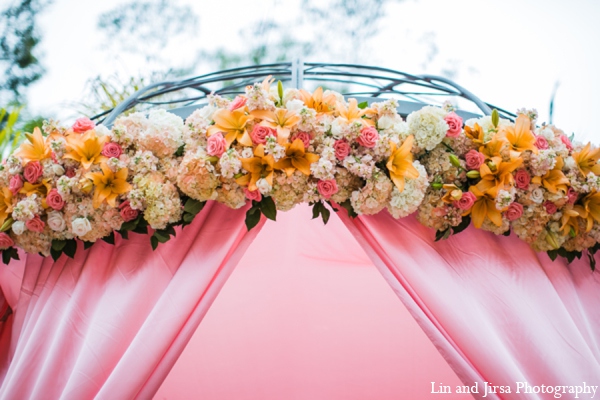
(305, 315)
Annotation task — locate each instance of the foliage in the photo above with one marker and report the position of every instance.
(18, 47)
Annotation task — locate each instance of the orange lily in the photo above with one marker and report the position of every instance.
(587, 160)
(570, 219)
(485, 206)
(591, 203)
(296, 159)
(400, 163)
(519, 137)
(86, 148)
(497, 174)
(494, 147)
(233, 125)
(108, 185)
(40, 189)
(35, 149)
(475, 134)
(281, 119)
(317, 102)
(259, 166)
(554, 180)
(352, 112)
(453, 193)
(5, 204)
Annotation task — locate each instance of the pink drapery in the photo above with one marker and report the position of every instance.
(497, 311)
(111, 323)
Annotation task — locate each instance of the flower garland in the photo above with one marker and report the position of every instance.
(277, 148)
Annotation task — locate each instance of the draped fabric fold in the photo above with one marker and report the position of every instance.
(496, 310)
(111, 323)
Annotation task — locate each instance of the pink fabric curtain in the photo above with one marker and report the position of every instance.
(497, 311)
(111, 323)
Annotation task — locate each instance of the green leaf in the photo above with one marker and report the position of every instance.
(347, 204)
(252, 218)
(552, 254)
(188, 218)
(70, 248)
(87, 245)
(110, 238)
(572, 136)
(153, 242)
(506, 233)
(58, 245)
(170, 230)
(142, 226)
(442, 235)
(9, 254)
(180, 150)
(54, 253)
(463, 225)
(325, 213)
(267, 206)
(592, 260)
(128, 226)
(161, 235)
(495, 118)
(316, 210)
(363, 105)
(193, 206)
(124, 235)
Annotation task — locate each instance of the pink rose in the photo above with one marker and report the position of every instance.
(454, 125)
(572, 196)
(16, 183)
(474, 159)
(70, 172)
(83, 125)
(5, 241)
(112, 149)
(541, 143)
(259, 134)
(127, 213)
(522, 179)
(515, 210)
(368, 137)
(303, 136)
(550, 207)
(466, 201)
(55, 200)
(327, 188)
(566, 142)
(238, 102)
(35, 224)
(32, 171)
(253, 194)
(342, 149)
(216, 144)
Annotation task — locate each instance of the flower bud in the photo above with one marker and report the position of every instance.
(572, 232)
(86, 185)
(238, 175)
(437, 185)
(454, 161)
(551, 239)
(6, 225)
(473, 174)
(213, 159)
(456, 194)
(492, 166)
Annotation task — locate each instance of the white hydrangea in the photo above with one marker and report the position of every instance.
(363, 166)
(323, 169)
(408, 201)
(542, 162)
(164, 133)
(428, 126)
(18, 227)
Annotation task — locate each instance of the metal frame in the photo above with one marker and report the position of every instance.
(366, 83)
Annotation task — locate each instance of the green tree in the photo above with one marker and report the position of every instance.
(19, 54)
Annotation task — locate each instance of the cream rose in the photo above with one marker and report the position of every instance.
(81, 226)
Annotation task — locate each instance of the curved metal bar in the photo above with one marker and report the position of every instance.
(369, 81)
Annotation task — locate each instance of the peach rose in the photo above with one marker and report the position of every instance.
(327, 188)
(5, 241)
(515, 210)
(474, 159)
(454, 124)
(522, 179)
(55, 200)
(33, 171)
(83, 125)
(259, 134)
(466, 201)
(35, 224)
(216, 144)
(368, 137)
(127, 213)
(342, 149)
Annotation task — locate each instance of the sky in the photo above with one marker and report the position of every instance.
(510, 53)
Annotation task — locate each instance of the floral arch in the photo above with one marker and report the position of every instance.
(249, 149)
